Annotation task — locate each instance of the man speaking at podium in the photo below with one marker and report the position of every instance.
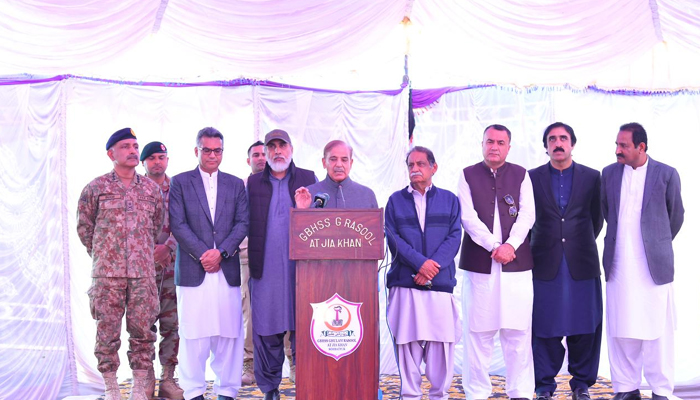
(342, 191)
(424, 234)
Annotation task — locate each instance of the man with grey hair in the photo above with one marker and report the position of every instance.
(272, 274)
(209, 219)
(343, 192)
(423, 222)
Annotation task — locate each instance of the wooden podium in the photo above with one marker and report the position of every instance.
(337, 302)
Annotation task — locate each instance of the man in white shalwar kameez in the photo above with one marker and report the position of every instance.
(209, 219)
(424, 234)
(643, 207)
(498, 211)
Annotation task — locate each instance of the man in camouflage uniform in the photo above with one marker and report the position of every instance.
(119, 216)
(154, 158)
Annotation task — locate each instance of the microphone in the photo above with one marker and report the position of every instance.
(320, 200)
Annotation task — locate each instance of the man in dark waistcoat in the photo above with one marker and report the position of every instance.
(568, 297)
(272, 273)
(498, 211)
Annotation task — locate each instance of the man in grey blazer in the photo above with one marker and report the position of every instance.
(641, 201)
(209, 219)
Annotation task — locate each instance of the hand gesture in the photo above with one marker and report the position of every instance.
(302, 197)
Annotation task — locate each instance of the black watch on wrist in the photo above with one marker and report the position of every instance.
(224, 254)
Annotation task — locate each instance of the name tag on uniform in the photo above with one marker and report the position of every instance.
(149, 199)
(107, 197)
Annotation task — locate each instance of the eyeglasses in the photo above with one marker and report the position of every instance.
(512, 209)
(208, 151)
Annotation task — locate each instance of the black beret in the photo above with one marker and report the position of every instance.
(153, 148)
(126, 133)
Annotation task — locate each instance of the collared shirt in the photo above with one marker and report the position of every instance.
(636, 307)
(562, 183)
(118, 225)
(345, 194)
(272, 296)
(480, 233)
(563, 306)
(420, 201)
(210, 188)
(499, 300)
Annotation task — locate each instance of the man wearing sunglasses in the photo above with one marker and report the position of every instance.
(498, 211)
(209, 219)
(568, 296)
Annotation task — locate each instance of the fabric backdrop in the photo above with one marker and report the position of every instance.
(52, 137)
(346, 44)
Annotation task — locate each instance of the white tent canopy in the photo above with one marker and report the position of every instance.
(170, 67)
(360, 44)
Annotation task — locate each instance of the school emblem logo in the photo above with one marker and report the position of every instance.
(336, 327)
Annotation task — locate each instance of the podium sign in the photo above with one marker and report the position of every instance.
(336, 234)
(337, 300)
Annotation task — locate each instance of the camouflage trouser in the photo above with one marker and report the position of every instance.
(167, 318)
(109, 298)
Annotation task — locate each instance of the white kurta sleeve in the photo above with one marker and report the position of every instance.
(526, 214)
(475, 228)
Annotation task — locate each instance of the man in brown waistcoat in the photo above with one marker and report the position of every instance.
(497, 215)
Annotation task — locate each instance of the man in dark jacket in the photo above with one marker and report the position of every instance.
(272, 273)
(423, 232)
(568, 298)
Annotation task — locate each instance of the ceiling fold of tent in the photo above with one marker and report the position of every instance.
(359, 44)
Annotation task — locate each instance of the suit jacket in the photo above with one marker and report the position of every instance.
(191, 224)
(661, 219)
(571, 234)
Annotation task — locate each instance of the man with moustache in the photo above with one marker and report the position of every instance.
(343, 192)
(256, 162)
(568, 298)
(154, 158)
(498, 211)
(120, 215)
(209, 219)
(272, 273)
(424, 234)
(642, 204)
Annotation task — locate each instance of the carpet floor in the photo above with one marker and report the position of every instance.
(389, 385)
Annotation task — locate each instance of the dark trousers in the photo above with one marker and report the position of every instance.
(268, 358)
(584, 356)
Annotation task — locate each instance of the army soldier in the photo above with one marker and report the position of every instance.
(154, 158)
(120, 214)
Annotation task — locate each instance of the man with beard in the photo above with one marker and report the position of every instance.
(568, 296)
(343, 192)
(256, 161)
(120, 214)
(642, 204)
(272, 273)
(154, 158)
(498, 211)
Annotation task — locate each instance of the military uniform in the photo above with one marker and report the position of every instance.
(118, 226)
(165, 280)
